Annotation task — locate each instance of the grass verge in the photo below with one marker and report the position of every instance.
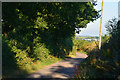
(83, 52)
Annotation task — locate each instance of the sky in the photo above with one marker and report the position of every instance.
(110, 10)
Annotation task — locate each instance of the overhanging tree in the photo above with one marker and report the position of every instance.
(51, 23)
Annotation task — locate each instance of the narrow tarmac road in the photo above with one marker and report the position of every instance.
(63, 69)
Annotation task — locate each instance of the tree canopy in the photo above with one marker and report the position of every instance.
(52, 23)
(38, 32)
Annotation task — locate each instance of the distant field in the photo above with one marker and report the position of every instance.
(86, 37)
(83, 38)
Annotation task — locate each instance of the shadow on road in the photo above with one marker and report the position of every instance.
(64, 69)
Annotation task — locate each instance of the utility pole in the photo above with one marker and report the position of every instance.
(100, 25)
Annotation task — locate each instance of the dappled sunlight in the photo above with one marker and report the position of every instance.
(40, 42)
(62, 69)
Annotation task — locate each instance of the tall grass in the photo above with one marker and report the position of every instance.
(104, 63)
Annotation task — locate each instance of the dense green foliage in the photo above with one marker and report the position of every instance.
(105, 39)
(85, 46)
(34, 31)
(104, 63)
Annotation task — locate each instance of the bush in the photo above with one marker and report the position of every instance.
(104, 63)
(41, 52)
(85, 46)
(21, 57)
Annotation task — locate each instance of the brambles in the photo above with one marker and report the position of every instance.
(104, 63)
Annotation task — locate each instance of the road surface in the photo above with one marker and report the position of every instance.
(63, 69)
